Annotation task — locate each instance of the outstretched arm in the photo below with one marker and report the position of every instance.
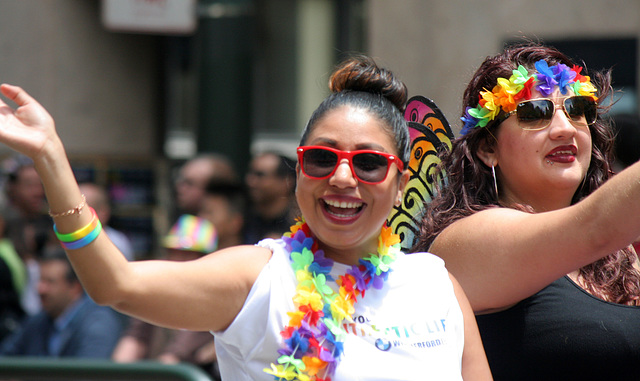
(201, 295)
(502, 255)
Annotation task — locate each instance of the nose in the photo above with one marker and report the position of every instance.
(561, 126)
(41, 288)
(250, 179)
(343, 176)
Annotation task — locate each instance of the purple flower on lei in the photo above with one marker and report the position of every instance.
(378, 280)
(321, 265)
(338, 346)
(297, 341)
(359, 276)
(545, 78)
(469, 122)
(298, 242)
(565, 76)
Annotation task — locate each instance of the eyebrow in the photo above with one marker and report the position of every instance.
(334, 144)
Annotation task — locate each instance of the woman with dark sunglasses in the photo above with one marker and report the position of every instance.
(527, 224)
(334, 299)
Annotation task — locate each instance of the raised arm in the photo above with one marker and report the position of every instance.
(202, 295)
(501, 256)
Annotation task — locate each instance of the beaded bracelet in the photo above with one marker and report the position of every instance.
(75, 210)
(81, 237)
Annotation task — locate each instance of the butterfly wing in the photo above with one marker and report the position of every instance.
(424, 111)
(430, 134)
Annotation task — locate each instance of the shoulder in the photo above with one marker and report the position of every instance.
(473, 228)
(34, 325)
(273, 245)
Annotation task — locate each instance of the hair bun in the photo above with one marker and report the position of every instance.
(361, 73)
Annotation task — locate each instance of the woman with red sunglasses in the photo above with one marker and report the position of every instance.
(334, 299)
(527, 224)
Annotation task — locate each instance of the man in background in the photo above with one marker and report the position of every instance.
(271, 183)
(70, 323)
(27, 224)
(193, 177)
(225, 205)
(98, 199)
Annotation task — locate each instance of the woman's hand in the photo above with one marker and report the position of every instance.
(29, 129)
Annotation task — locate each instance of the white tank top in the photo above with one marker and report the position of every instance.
(411, 329)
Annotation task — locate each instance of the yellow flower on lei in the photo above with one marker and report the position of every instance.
(505, 92)
(341, 308)
(284, 372)
(314, 365)
(295, 318)
(387, 239)
(582, 88)
(306, 296)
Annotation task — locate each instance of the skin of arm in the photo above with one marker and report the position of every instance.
(502, 256)
(474, 360)
(201, 295)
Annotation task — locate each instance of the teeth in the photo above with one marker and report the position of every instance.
(343, 204)
(563, 153)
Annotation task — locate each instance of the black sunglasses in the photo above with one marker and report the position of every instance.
(367, 166)
(536, 114)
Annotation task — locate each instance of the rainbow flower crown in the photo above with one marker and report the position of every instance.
(509, 92)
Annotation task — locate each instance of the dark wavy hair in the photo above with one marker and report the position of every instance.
(470, 187)
(359, 82)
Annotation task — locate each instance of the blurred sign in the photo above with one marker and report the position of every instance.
(150, 16)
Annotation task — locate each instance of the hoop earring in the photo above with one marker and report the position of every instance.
(495, 182)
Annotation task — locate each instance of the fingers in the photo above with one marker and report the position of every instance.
(16, 94)
(29, 111)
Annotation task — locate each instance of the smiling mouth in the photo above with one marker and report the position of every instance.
(562, 153)
(343, 208)
(562, 156)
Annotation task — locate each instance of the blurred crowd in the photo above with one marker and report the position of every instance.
(44, 310)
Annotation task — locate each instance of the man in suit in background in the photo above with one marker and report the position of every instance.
(70, 323)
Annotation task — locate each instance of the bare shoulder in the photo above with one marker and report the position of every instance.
(473, 228)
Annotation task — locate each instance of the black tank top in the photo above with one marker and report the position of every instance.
(563, 333)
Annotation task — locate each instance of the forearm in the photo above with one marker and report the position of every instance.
(610, 214)
(99, 265)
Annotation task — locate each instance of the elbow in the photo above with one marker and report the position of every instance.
(606, 240)
(102, 298)
(105, 296)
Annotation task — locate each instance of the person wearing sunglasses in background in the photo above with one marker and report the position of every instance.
(333, 300)
(527, 224)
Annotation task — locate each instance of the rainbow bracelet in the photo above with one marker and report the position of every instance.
(84, 241)
(80, 233)
(81, 237)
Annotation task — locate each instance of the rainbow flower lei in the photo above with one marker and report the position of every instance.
(509, 92)
(313, 340)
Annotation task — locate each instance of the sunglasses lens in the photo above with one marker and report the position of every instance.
(319, 162)
(535, 114)
(581, 109)
(370, 167)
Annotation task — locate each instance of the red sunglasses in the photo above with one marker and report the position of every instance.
(370, 167)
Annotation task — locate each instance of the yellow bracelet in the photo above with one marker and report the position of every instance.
(80, 233)
(84, 241)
